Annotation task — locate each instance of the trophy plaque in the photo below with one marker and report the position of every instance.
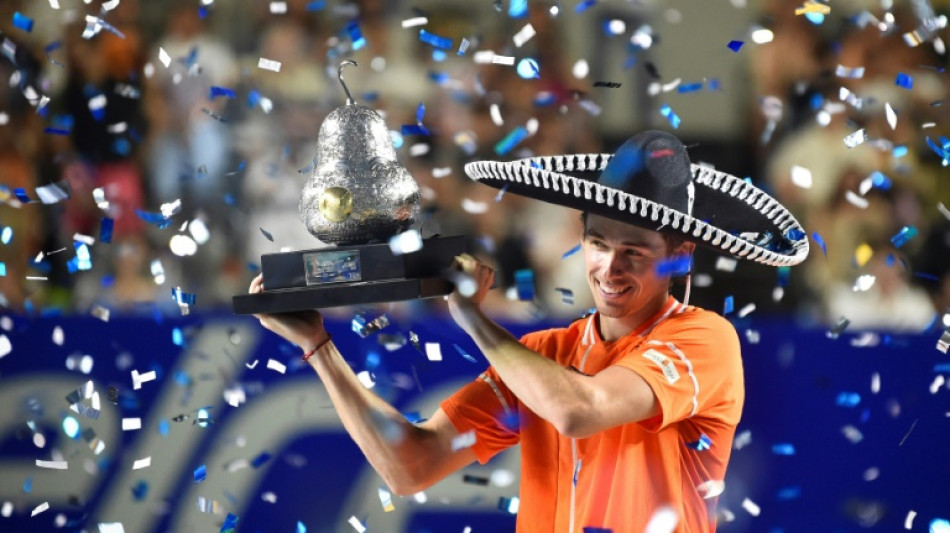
(357, 198)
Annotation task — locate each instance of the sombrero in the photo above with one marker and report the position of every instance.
(650, 182)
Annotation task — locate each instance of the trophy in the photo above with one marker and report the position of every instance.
(357, 198)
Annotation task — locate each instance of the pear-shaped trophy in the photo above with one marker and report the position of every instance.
(356, 200)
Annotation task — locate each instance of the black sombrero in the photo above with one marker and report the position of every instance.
(650, 182)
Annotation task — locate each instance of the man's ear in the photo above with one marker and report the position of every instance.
(686, 248)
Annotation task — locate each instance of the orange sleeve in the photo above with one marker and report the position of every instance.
(693, 365)
(488, 408)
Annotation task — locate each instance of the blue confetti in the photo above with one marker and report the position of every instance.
(789, 493)
(28, 485)
(301, 528)
(689, 87)
(511, 140)
(704, 443)
(848, 399)
(56, 131)
(105, 229)
(714, 84)
(881, 181)
(735, 45)
(783, 275)
(817, 238)
(6, 235)
(501, 192)
(53, 46)
(140, 491)
(518, 9)
(183, 298)
(3, 269)
(899, 151)
(545, 98)
(178, 338)
(905, 81)
(23, 22)
(509, 505)
(353, 29)
(316, 5)
(420, 112)
(571, 252)
(667, 112)
(584, 6)
(260, 459)
(942, 151)
(414, 129)
(464, 354)
(439, 56)
(524, 283)
(815, 17)
(728, 305)
(163, 427)
(678, 265)
(905, 234)
(439, 78)
(528, 68)
(435, 40)
(157, 219)
(21, 195)
(230, 524)
(216, 91)
(590, 529)
(200, 474)
(783, 449)
(253, 98)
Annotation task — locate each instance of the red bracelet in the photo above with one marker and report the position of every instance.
(309, 354)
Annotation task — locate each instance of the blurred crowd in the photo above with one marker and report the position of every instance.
(163, 108)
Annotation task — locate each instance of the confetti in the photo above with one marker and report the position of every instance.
(667, 112)
(524, 35)
(464, 354)
(891, 115)
(139, 379)
(53, 465)
(855, 73)
(821, 243)
(704, 443)
(364, 329)
(415, 21)
(353, 30)
(465, 440)
(5, 346)
(502, 60)
(608, 84)
(734, 45)
(746, 310)
(571, 252)
(838, 328)
(848, 399)
(728, 305)
(357, 525)
(663, 520)
(751, 507)
(277, 366)
(511, 140)
(905, 81)
(433, 351)
(139, 464)
(268, 64)
(939, 525)
(52, 193)
(903, 236)
(943, 343)
(435, 40)
(855, 139)
(230, 524)
(23, 22)
(129, 424)
(567, 295)
(584, 5)
(801, 177)
(111, 527)
(679, 265)
(524, 282)
(216, 91)
(200, 473)
(106, 226)
(386, 499)
(39, 509)
(528, 68)
(100, 312)
(783, 449)
(812, 6)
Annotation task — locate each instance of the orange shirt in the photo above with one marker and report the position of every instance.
(618, 478)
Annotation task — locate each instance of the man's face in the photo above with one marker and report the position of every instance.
(621, 263)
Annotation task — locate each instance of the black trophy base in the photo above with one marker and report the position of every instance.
(352, 275)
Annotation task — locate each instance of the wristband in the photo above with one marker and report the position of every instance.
(309, 354)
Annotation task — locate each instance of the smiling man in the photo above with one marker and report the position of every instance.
(623, 415)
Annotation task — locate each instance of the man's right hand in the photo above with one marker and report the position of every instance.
(303, 328)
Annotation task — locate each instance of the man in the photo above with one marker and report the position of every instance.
(621, 414)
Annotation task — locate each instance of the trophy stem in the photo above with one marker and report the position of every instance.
(339, 74)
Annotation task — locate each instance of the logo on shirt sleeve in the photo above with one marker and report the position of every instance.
(665, 364)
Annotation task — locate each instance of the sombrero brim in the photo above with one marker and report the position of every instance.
(728, 214)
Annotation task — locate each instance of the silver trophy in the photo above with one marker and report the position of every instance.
(356, 200)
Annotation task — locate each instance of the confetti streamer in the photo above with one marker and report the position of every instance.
(511, 140)
(821, 243)
(524, 283)
(727, 305)
(704, 443)
(139, 464)
(905, 234)
(230, 524)
(838, 328)
(524, 35)
(200, 473)
(415, 21)
(679, 265)
(855, 139)
(735, 45)
(215, 92)
(464, 354)
(850, 73)
(584, 6)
